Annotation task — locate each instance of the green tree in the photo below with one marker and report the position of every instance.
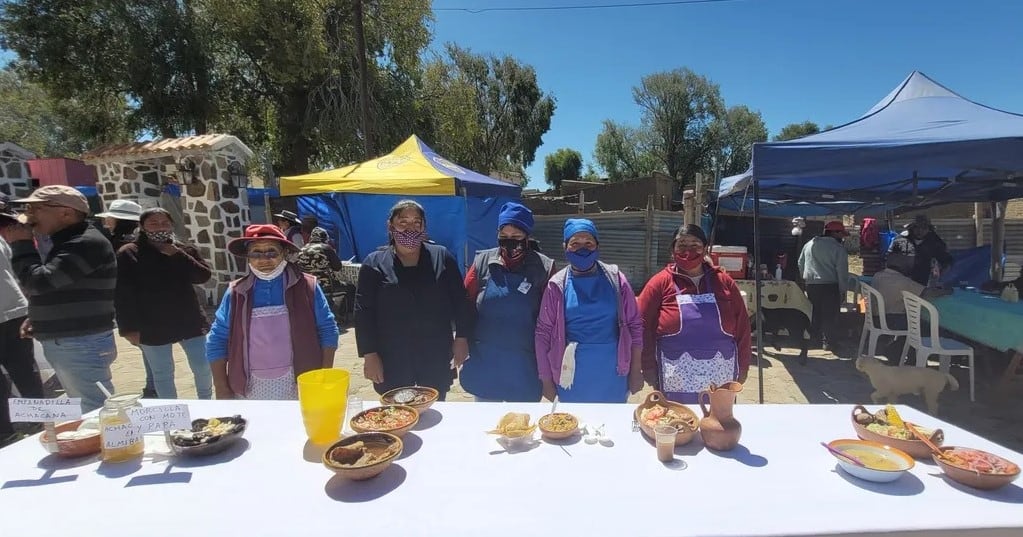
(796, 130)
(31, 118)
(679, 108)
(623, 152)
(563, 165)
(485, 112)
(736, 132)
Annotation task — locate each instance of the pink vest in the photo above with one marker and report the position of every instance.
(299, 293)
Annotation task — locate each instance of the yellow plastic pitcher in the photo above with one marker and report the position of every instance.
(323, 396)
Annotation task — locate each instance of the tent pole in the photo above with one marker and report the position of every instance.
(757, 290)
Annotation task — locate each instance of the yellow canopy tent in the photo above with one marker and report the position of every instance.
(351, 203)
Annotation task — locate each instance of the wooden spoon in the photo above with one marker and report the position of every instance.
(923, 438)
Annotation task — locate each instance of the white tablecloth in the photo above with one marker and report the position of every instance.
(454, 480)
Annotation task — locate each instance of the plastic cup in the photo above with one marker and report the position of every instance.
(664, 436)
(323, 396)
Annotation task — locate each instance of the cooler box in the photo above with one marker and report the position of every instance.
(734, 259)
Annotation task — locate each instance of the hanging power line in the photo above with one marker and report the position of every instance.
(582, 6)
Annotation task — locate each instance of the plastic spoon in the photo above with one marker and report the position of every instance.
(844, 455)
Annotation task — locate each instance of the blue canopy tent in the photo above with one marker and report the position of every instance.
(352, 203)
(922, 144)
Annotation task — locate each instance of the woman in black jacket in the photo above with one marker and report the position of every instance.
(410, 297)
(157, 305)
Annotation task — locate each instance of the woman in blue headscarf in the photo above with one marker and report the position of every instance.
(589, 335)
(505, 285)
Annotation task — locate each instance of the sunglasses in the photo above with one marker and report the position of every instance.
(271, 254)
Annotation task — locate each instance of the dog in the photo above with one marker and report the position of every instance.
(890, 382)
(792, 321)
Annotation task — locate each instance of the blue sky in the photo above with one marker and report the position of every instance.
(826, 61)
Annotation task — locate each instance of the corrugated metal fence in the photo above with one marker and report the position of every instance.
(638, 242)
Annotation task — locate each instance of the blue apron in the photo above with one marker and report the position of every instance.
(701, 352)
(502, 361)
(591, 320)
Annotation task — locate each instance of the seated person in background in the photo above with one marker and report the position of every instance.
(894, 279)
(319, 259)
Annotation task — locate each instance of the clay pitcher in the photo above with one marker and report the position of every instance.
(719, 428)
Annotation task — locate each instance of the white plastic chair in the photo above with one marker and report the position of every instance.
(925, 346)
(874, 326)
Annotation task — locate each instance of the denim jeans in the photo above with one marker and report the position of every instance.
(82, 361)
(160, 359)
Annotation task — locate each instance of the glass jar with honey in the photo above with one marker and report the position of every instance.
(121, 440)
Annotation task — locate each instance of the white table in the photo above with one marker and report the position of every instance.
(451, 482)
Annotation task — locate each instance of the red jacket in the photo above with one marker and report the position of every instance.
(660, 312)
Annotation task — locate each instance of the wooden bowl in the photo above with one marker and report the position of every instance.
(658, 398)
(973, 478)
(216, 444)
(70, 449)
(399, 431)
(431, 393)
(361, 473)
(914, 448)
(557, 435)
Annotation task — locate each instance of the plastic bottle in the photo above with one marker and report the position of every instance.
(777, 272)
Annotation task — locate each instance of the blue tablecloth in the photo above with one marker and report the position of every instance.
(986, 319)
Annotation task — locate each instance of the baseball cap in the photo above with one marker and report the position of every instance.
(61, 195)
(835, 226)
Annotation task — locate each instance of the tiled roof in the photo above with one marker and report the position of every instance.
(205, 142)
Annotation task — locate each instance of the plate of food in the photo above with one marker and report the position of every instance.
(362, 456)
(207, 436)
(514, 430)
(658, 410)
(976, 468)
(393, 419)
(870, 461)
(417, 397)
(886, 427)
(558, 426)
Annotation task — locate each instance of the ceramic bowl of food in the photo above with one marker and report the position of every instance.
(883, 464)
(976, 468)
(558, 426)
(876, 427)
(362, 456)
(73, 440)
(207, 436)
(658, 410)
(417, 397)
(393, 419)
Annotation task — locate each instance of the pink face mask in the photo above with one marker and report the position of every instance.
(410, 239)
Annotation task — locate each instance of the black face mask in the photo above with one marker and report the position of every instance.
(510, 245)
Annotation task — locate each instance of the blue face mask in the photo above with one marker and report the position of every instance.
(583, 258)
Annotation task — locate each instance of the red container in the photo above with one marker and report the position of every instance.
(734, 259)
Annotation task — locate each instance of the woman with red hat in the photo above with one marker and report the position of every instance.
(272, 325)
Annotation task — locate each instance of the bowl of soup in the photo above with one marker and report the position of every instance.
(881, 463)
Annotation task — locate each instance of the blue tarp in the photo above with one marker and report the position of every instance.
(358, 222)
(972, 266)
(922, 144)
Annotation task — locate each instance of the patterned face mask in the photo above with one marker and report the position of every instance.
(409, 238)
(160, 237)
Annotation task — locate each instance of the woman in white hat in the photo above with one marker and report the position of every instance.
(120, 222)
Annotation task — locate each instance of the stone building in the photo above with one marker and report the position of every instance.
(15, 179)
(202, 180)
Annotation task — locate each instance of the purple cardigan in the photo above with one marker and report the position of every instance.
(550, 325)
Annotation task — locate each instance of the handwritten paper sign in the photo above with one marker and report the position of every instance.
(152, 419)
(121, 436)
(45, 410)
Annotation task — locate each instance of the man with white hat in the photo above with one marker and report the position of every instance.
(70, 291)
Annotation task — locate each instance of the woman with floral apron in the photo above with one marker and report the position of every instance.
(696, 328)
(272, 325)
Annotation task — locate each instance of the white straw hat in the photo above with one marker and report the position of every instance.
(122, 210)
